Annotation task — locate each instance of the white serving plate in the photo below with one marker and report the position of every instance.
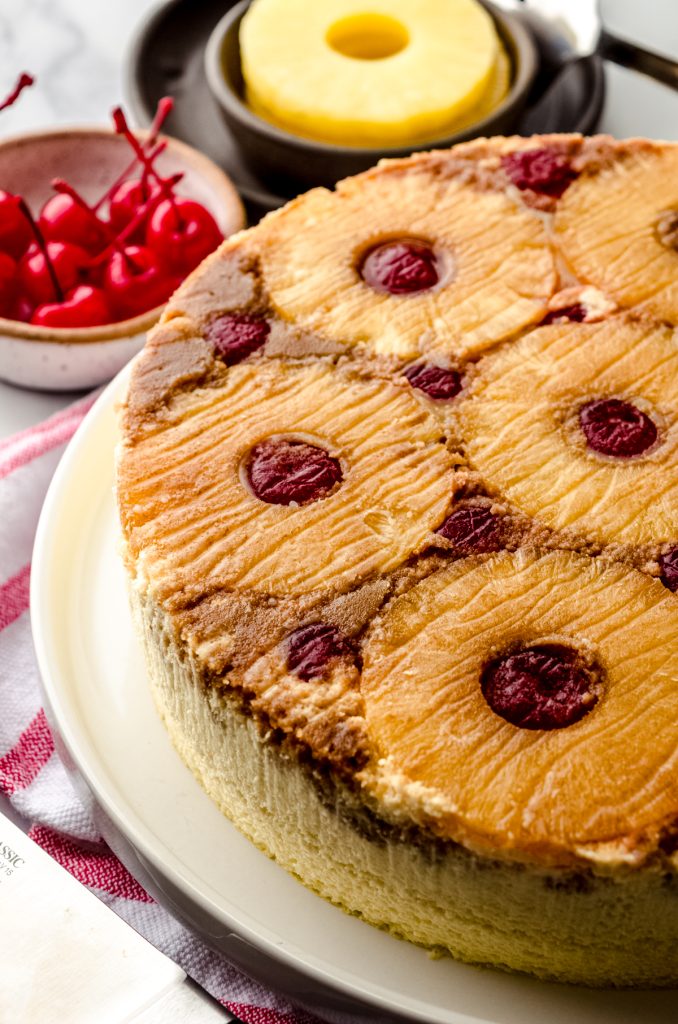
(169, 834)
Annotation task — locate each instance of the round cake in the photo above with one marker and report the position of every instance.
(398, 488)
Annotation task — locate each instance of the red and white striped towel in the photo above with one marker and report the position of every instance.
(31, 776)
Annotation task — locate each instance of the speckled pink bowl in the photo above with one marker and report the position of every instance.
(90, 159)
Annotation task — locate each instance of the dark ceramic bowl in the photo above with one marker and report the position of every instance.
(290, 162)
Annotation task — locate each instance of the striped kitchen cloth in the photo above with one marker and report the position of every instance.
(31, 776)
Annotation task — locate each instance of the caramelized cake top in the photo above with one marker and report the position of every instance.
(400, 466)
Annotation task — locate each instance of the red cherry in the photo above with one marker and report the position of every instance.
(616, 428)
(135, 280)
(35, 279)
(547, 686)
(21, 309)
(311, 648)
(162, 112)
(576, 313)
(7, 282)
(438, 382)
(126, 201)
(62, 219)
(668, 564)
(236, 336)
(473, 529)
(282, 472)
(15, 230)
(182, 232)
(541, 170)
(401, 267)
(83, 306)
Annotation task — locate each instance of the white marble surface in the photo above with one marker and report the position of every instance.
(76, 49)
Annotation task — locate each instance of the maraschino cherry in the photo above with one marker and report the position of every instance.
(84, 306)
(164, 109)
(63, 220)
(617, 428)
(7, 282)
(127, 199)
(135, 280)
(82, 265)
(546, 686)
(402, 266)
(181, 230)
(34, 277)
(47, 266)
(15, 232)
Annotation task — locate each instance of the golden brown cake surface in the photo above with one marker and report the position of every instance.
(399, 483)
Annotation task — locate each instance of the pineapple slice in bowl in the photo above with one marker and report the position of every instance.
(395, 74)
(293, 160)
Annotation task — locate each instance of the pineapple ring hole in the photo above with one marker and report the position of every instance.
(402, 265)
(616, 428)
(367, 37)
(290, 470)
(542, 686)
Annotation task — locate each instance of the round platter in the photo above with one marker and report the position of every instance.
(173, 839)
(167, 55)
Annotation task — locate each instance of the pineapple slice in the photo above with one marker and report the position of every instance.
(282, 481)
(618, 229)
(499, 84)
(567, 751)
(383, 73)
(577, 425)
(489, 272)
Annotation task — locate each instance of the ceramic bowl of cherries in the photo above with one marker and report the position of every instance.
(97, 228)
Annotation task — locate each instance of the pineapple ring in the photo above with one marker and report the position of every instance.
(519, 428)
(196, 526)
(609, 226)
(555, 793)
(370, 73)
(499, 270)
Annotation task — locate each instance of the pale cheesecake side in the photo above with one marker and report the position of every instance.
(398, 496)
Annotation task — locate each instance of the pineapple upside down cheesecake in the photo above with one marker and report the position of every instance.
(398, 488)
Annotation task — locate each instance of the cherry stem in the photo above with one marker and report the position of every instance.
(152, 157)
(23, 82)
(163, 110)
(121, 126)
(42, 246)
(59, 185)
(136, 221)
